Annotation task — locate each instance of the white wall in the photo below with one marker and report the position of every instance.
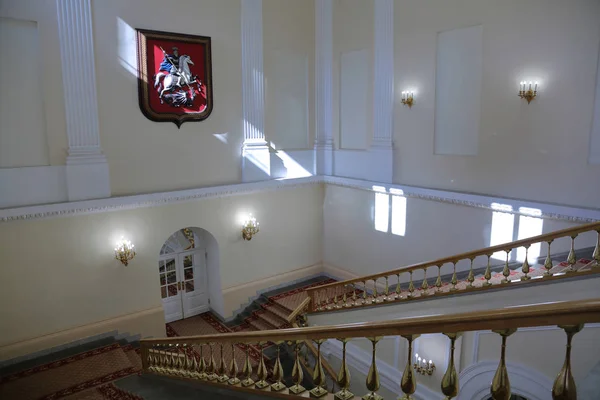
(534, 151)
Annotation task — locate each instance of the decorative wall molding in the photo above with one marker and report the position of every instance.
(383, 89)
(474, 381)
(323, 86)
(87, 170)
(75, 208)
(594, 156)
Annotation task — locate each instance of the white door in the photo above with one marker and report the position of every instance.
(183, 284)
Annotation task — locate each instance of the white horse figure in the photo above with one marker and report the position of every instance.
(172, 81)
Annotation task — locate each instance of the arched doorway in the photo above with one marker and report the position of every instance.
(187, 269)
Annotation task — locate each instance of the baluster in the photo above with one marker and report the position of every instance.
(158, 360)
(564, 384)
(278, 372)
(471, 277)
(488, 271)
(262, 372)
(409, 381)
(345, 297)
(319, 374)
(247, 370)
(297, 374)
(316, 303)
(548, 262)
(373, 376)
(335, 298)
(386, 296)
(438, 281)
(325, 300)
(189, 362)
(572, 258)
(398, 288)
(500, 389)
(223, 368)
(525, 267)
(151, 363)
(454, 280)
(365, 293)
(195, 365)
(172, 363)
(212, 365)
(202, 367)
(343, 378)
(506, 270)
(376, 298)
(233, 368)
(596, 255)
(450, 379)
(166, 362)
(411, 286)
(425, 284)
(162, 362)
(354, 303)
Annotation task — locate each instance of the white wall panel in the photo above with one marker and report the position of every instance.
(595, 136)
(354, 101)
(458, 91)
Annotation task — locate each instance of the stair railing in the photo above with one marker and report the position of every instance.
(183, 357)
(376, 289)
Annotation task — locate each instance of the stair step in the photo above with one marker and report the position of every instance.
(272, 319)
(277, 310)
(259, 324)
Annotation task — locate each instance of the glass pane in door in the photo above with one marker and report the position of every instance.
(188, 261)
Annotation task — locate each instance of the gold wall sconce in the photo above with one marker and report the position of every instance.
(408, 98)
(250, 228)
(124, 251)
(528, 93)
(423, 366)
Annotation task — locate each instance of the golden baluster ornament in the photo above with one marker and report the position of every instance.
(158, 361)
(409, 380)
(411, 286)
(261, 371)
(525, 267)
(202, 366)
(365, 292)
(450, 379)
(454, 279)
(335, 298)
(488, 271)
(548, 262)
(151, 362)
(373, 375)
(398, 288)
(571, 258)
(438, 281)
(233, 368)
(222, 368)
(247, 370)
(425, 284)
(212, 365)
(386, 296)
(471, 277)
(564, 384)
(316, 303)
(596, 254)
(189, 362)
(162, 362)
(278, 372)
(506, 270)
(500, 389)
(195, 366)
(343, 377)
(354, 289)
(345, 297)
(376, 298)
(297, 375)
(319, 374)
(172, 368)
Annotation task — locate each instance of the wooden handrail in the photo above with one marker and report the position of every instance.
(298, 310)
(594, 226)
(558, 313)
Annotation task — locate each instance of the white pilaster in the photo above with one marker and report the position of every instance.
(323, 79)
(256, 163)
(383, 90)
(87, 169)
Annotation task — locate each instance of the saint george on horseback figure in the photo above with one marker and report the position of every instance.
(177, 78)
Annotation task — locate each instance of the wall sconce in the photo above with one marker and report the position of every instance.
(422, 366)
(408, 99)
(527, 93)
(124, 251)
(250, 228)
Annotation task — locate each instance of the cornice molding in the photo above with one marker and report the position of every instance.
(75, 208)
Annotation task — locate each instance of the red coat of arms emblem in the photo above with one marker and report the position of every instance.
(174, 76)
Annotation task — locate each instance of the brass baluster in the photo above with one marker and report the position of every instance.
(247, 370)
(335, 298)
(373, 376)
(345, 296)
(488, 271)
(223, 368)
(297, 374)
(450, 379)
(409, 381)
(471, 277)
(212, 365)
(376, 298)
(166, 362)
(506, 270)
(398, 288)
(233, 368)
(262, 372)
(189, 362)
(172, 370)
(500, 389)
(411, 286)
(202, 367)
(548, 262)
(195, 366)
(318, 374)
(454, 280)
(571, 258)
(564, 384)
(278, 372)
(387, 290)
(158, 359)
(343, 378)
(162, 362)
(354, 303)
(596, 255)
(151, 364)
(365, 292)
(525, 267)
(425, 284)
(438, 281)
(316, 303)
(181, 362)
(325, 300)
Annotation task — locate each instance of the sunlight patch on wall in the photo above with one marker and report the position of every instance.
(382, 209)
(293, 168)
(503, 224)
(127, 47)
(398, 212)
(530, 225)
